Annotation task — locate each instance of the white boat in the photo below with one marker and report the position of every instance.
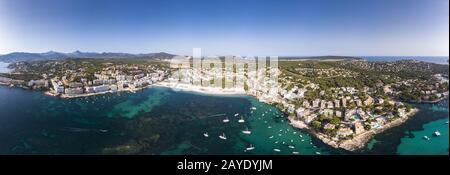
(253, 108)
(236, 114)
(276, 150)
(223, 137)
(250, 148)
(291, 146)
(270, 137)
(426, 138)
(246, 131)
(241, 120)
(446, 122)
(269, 127)
(226, 120)
(295, 152)
(317, 153)
(206, 134)
(437, 133)
(276, 142)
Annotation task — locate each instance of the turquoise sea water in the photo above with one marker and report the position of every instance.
(162, 121)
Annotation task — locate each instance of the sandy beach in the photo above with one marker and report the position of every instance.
(201, 89)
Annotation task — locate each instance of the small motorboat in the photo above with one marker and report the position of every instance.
(446, 122)
(270, 137)
(223, 137)
(291, 146)
(426, 137)
(253, 108)
(295, 152)
(241, 120)
(246, 131)
(269, 127)
(317, 153)
(205, 134)
(236, 114)
(226, 120)
(276, 150)
(437, 133)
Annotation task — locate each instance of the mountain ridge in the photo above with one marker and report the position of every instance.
(52, 55)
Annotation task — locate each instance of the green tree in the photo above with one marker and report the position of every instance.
(317, 125)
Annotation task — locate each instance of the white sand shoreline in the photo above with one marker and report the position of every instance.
(202, 90)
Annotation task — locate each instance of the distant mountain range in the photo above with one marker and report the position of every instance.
(51, 55)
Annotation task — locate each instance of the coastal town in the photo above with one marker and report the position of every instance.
(89, 80)
(343, 117)
(343, 103)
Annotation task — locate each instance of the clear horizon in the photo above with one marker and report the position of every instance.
(249, 27)
(234, 55)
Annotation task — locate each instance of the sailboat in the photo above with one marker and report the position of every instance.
(223, 137)
(241, 120)
(226, 120)
(246, 131)
(250, 148)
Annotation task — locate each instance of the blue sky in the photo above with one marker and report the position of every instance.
(222, 27)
